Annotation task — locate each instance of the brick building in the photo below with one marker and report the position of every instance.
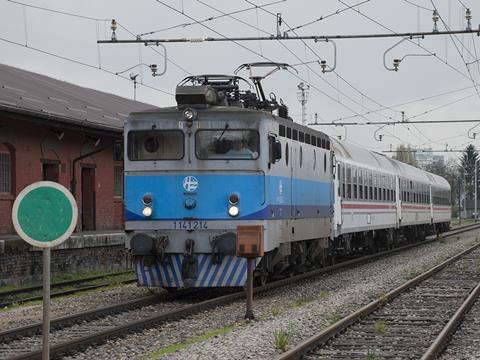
(53, 130)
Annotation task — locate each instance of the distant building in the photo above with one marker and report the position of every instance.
(425, 157)
(57, 131)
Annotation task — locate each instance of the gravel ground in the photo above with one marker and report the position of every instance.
(300, 311)
(465, 344)
(25, 315)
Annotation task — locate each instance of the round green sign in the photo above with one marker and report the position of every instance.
(44, 214)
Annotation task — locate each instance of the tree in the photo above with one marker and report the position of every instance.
(467, 169)
(450, 170)
(405, 153)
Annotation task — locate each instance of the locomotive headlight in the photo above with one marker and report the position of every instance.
(189, 114)
(233, 211)
(147, 211)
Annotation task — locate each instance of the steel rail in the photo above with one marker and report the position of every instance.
(64, 293)
(333, 330)
(204, 305)
(443, 338)
(61, 283)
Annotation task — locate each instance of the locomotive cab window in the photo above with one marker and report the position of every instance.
(155, 145)
(227, 144)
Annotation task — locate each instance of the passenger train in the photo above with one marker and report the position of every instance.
(226, 175)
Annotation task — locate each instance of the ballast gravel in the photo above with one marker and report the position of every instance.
(299, 310)
(26, 315)
(465, 343)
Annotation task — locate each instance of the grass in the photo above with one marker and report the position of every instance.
(334, 318)
(184, 344)
(412, 273)
(281, 338)
(301, 302)
(441, 239)
(380, 327)
(276, 310)
(383, 298)
(323, 294)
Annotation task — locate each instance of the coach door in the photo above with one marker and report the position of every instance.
(398, 200)
(338, 181)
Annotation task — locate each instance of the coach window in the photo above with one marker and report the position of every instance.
(384, 179)
(307, 138)
(387, 187)
(301, 136)
(360, 184)
(370, 185)
(349, 181)
(354, 182)
(281, 130)
(295, 134)
(289, 133)
(313, 140)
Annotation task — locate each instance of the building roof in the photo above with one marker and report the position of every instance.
(43, 97)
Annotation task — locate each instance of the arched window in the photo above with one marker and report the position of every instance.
(6, 169)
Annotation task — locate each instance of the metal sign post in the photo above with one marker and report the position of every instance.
(45, 214)
(250, 246)
(46, 303)
(249, 313)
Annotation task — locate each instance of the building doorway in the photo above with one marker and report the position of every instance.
(88, 198)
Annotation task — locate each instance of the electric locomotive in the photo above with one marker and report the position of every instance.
(218, 177)
(227, 174)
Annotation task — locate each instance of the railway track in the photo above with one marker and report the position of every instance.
(33, 293)
(79, 331)
(413, 321)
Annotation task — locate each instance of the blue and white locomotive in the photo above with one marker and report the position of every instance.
(225, 160)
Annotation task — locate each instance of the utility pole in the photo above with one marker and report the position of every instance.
(302, 95)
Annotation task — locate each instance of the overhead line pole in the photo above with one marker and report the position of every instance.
(287, 37)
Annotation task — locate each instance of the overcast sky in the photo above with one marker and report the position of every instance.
(359, 85)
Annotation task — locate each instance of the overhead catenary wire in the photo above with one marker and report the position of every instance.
(289, 50)
(456, 47)
(79, 63)
(323, 17)
(258, 54)
(211, 18)
(66, 13)
(338, 75)
(411, 41)
(417, 6)
(408, 102)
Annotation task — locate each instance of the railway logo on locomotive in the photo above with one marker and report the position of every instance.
(190, 183)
